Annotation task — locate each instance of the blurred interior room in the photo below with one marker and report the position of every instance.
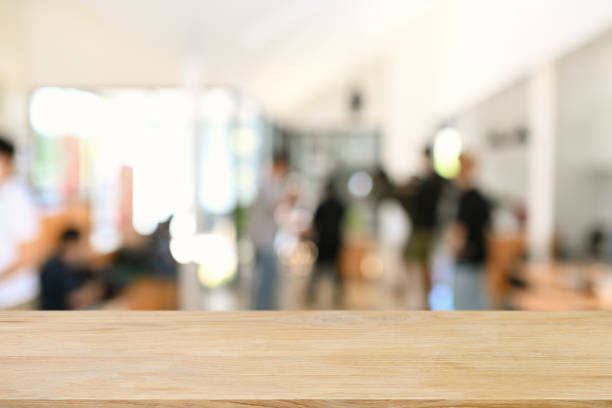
(306, 154)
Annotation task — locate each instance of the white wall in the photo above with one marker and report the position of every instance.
(65, 44)
(407, 116)
(542, 157)
(481, 46)
(12, 77)
(502, 170)
(584, 163)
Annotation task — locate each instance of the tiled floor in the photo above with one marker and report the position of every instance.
(398, 288)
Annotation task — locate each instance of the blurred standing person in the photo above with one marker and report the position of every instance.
(470, 232)
(263, 229)
(422, 206)
(328, 235)
(19, 229)
(383, 186)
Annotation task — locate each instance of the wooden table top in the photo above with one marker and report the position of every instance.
(305, 359)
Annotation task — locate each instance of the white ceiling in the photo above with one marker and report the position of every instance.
(281, 51)
(269, 47)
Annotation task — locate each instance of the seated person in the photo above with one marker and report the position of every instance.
(63, 283)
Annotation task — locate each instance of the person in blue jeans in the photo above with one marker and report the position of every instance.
(263, 229)
(472, 226)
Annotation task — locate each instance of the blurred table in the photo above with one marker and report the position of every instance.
(146, 294)
(504, 251)
(564, 286)
(305, 359)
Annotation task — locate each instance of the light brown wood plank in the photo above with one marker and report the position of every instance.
(306, 359)
(308, 404)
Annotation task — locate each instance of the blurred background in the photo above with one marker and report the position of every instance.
(306, 154)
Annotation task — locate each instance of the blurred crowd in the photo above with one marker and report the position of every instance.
(68, 275)
(442, 212)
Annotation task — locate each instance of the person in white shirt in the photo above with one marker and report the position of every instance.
(19, 230)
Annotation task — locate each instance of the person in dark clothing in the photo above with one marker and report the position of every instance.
(421, 203)
(473, 215)
(63, 285)
(161, 261)
(472, 225)
(327, 226)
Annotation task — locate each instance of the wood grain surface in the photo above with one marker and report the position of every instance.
(305, 359)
